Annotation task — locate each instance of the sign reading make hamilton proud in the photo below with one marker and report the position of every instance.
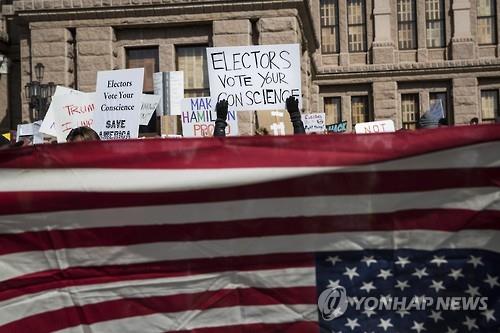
(118, 103)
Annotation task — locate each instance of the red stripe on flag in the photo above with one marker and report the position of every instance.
(430, 219)
(296, 327)
(320, 184)
(238, 152)
(79, 276)
(50, 321)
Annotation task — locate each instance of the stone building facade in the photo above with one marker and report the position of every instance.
(362, 60)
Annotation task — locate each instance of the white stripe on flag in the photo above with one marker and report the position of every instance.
(475, 199)
(154, 180)
(29, 305)
(190, 320)
(32, 262)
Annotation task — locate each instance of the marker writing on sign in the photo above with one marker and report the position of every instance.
(255, 59)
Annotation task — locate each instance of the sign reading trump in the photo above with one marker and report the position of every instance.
(255, 77)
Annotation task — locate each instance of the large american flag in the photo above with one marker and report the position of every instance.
(243, 234)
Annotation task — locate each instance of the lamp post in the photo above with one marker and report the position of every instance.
(39, 95)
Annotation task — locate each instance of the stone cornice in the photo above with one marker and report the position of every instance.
(438, 68)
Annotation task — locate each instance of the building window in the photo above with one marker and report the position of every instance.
(146, 58)
(192, 61)
(486, 22)
(359, 109)
(440, 96)
(356, 22)
(407, 31)
(489, 105)
(410, 110)
(329, 26)
(333, 110)
(434, 20)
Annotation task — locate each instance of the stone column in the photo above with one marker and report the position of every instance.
(236, 33)
(343, 35)
(385, 100)
(462, 43)
(383, 45)
(95, 53)
(421, 32)
(465, 99)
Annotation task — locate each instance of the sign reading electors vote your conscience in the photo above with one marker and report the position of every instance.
(118, 103)
(198, 118)
(255, 77)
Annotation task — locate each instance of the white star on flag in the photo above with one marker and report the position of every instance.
(384, 274)
(402, 312)
(369, 260)
(438, 261)
(475, 261)
(436, 316)
(456, 274)
(351, 272)
(492, 281)
(419, 327)
(470, 323)
(451, 330)
(402, 261)
(385, 324)
(489, 314)
(437, 285)
(333, 284)
(420, 273)
(402, 285)
(472, 291)
(368, 286)
(352, 323)
(333, 260)
(369, 312)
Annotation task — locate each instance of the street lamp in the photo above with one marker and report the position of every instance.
(39, 95)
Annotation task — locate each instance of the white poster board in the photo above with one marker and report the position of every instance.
(255, 77)
(380, 126)
(198, 118)
(49, 121)
(71, 112)
(170, 87)
(32, 131)
(118, 101)
(149, 105)
(314, 122)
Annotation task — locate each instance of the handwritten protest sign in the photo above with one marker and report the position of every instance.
(72, 111)
(118, 103)
(337, 127)
(274, 122)
(170, 87)
(255, 77)
(31, 132)
(314, 122)
(380, 126)
(149, 105)
(49, 121)
(198, 118)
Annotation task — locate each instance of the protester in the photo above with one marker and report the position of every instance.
(443, 122)
(220, 123)
(82, 133)
(474, 121)
(292, 106)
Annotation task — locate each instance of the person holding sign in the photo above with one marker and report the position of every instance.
(82, 133)
(292, 106)
(220, 123)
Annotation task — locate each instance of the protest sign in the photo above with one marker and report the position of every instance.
(149, 105)
(49, 121)
(118, 101)
(380, 126)
(314, 122)
(198, 118)
(30, 131)
(255, 77)
(274, 122)
(337, 127)
(170, 87)
(72, 111)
